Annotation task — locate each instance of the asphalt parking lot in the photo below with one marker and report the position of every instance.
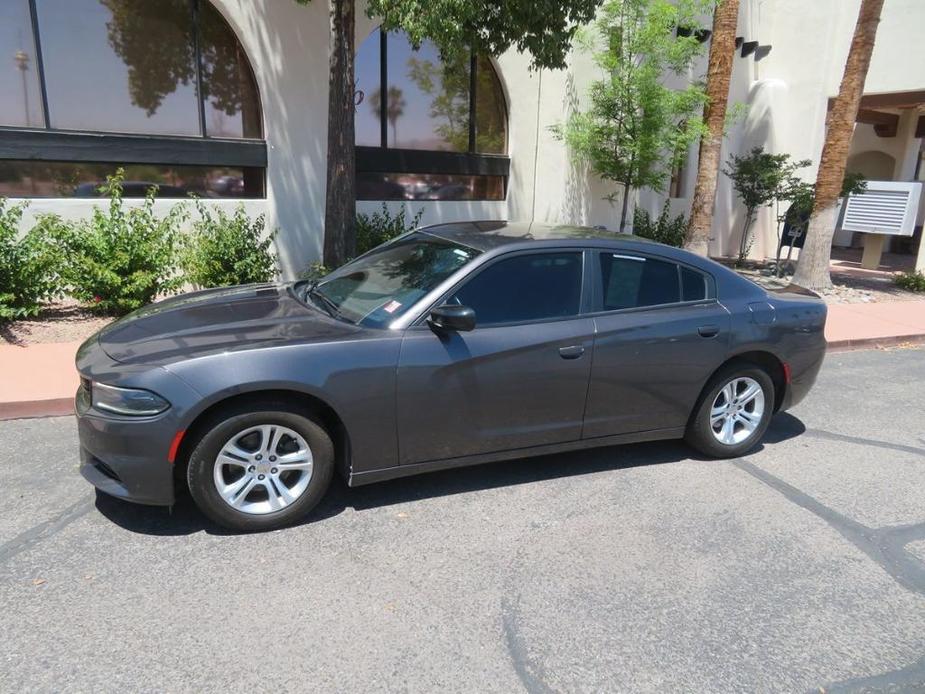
(798, 568)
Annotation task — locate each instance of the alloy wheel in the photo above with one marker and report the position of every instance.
(737, 411)
(263, 469)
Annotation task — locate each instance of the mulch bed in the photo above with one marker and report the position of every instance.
(60, 321)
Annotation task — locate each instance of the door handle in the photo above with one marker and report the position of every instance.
(708, 330)
(571, 352)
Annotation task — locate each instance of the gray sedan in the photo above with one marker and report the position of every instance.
(453, 345)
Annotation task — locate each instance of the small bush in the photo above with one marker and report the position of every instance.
(119, 260)
(227, 249)
(911, 281)
(663, 229)
(27, 274)
(377, 228)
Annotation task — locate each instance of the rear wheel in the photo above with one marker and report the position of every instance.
(733, 413)
(260, 469)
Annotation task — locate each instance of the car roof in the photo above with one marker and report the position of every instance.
(489, 235)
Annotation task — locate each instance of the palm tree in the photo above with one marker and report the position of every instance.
(813, 266)
(719, 73)
(394, 110)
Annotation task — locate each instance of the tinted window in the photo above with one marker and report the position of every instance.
(19, 78)
(48, 179)
(490, 114)
(366, 69)
(120, 65)
(525, 288)
(231, 103)
(630, 282)
(693, 285)
(412, 186)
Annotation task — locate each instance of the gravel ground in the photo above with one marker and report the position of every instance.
(61, 321)
(639, 568)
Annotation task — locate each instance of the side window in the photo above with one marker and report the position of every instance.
(631, 282)
(525, 288)
(693, 285)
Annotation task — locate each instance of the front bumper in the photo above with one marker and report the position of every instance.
(127, 459)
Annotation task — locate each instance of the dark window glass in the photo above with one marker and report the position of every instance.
(490, 114)
(393, 186)
(21, 100)
(66, 179)
(428, 100)
(368, 96)
(525, 288)
(630, 282)
(120, 65)
(693, 285)
(232, 106)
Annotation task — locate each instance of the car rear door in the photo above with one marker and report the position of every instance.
(660, 333)
(519, 379)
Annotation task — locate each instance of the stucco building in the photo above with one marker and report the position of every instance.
(228, 99)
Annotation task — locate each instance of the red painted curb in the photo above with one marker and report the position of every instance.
(57, 407)
(876, 343)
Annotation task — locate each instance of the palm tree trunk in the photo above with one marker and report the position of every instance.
(340, 200)
(813, 265)
(719, 74)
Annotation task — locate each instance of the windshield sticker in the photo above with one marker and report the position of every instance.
(392, 306)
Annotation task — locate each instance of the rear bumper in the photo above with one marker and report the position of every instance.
(128, 459)
(804, 371)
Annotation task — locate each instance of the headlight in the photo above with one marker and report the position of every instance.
(127, 401)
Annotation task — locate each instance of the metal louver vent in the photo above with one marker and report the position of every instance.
(887, 207)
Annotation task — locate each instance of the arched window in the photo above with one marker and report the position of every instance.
(441, 131)
(163, 89)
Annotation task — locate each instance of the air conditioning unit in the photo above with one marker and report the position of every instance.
(886, 207)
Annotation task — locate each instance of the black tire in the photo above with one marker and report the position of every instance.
(224, 426)
(700, 434)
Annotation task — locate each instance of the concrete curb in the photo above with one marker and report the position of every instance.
(59, 407)
(876, 343)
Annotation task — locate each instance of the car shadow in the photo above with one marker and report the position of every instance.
(185, 519)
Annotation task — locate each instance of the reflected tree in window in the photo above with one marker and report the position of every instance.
(395, 108)
(155, 41)
(447, 85)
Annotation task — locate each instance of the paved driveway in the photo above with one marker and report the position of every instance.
(626, 569)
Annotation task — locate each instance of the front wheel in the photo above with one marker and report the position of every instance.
(733, 413)
(260, 469)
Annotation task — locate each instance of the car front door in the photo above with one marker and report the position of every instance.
(660, 333)
(519, 379)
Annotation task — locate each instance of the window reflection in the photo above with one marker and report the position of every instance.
(21, 101)
(120, 65)
(366, 69)
(232, 107)
(396, 186)
(67, 179)
(428, 99)
(490, 113)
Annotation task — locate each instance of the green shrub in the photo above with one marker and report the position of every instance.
(663, 229)
(911, 281)
(27, 274)
(225, 249)
(119, 260)
(377, 228)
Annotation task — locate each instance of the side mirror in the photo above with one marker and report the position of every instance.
(452, 317)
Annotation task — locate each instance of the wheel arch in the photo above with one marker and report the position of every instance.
(322, 410)
(768, 361)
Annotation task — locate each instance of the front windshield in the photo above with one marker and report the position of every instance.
(379, 287)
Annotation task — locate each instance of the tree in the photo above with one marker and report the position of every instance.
(761, 178)
(813, 265)
(542, 28)
(719, 74)
(636, 128)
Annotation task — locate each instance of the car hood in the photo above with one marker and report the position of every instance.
(217, 320)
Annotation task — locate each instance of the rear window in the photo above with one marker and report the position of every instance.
(633, 282)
